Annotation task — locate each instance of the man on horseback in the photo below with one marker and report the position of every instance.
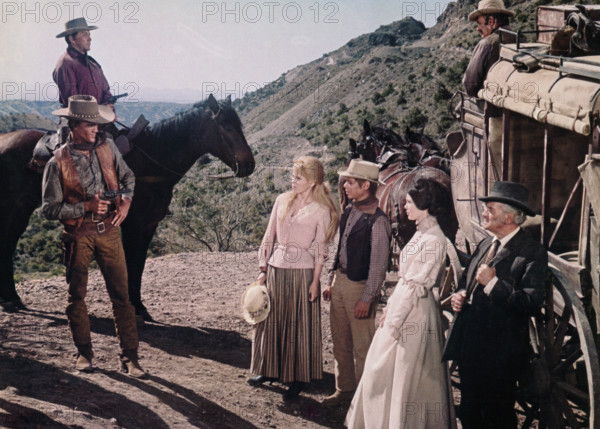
(74, 182)
(356, 277)
(76, 73)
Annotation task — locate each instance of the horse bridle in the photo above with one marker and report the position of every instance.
(213, 117)
(370, 142)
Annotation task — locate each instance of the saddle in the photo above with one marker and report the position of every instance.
(586, 38)
(52, 140)
(391, 156)
(45, 147)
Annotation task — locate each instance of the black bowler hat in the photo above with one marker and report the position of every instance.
(511, 193)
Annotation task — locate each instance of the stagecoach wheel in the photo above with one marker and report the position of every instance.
(565, 386)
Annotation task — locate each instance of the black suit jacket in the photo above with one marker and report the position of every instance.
(492, 333)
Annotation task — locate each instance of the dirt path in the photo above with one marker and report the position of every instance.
(198, 355)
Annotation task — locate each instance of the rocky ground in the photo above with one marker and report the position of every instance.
(197, 355)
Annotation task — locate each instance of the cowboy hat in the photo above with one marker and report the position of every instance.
(75, 26)
(511, 193)
(85, 108)
(490, 7)
(365, 170)
(256, 303)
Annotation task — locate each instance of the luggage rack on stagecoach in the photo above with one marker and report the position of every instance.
(539, 54)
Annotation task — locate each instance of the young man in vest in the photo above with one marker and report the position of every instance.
(356, 277)
(72, 189)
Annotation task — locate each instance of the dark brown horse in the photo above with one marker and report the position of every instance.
(162, 154)
(404, 160)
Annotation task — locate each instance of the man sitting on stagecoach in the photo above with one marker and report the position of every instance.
(76, 183)
(490, 16)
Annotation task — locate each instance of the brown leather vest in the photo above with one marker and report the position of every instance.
(73, 191)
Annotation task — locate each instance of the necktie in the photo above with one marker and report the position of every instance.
(485, 261)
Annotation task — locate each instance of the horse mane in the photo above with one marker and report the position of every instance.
(183, 120)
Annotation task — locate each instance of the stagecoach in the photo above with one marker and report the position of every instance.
(536, 121)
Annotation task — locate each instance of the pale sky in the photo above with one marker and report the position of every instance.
(216, 46)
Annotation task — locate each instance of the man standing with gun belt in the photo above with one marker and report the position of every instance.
(82, 172)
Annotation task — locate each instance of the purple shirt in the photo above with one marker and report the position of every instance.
(78, 74)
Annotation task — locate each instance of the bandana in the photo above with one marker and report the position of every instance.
(368, 205)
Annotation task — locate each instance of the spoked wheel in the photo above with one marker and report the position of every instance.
(563, 391)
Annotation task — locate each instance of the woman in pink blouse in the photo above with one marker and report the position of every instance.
(287, 345)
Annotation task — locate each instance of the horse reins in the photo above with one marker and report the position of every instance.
(213, 117)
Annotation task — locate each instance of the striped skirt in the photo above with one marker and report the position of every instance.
(287, 345)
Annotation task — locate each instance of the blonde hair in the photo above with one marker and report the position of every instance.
(312, 170)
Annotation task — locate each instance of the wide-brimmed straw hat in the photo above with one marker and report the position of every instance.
(75, 26)
(511, 193)
(365, 170)
(490, 7)
(85, 108)
(256, 303)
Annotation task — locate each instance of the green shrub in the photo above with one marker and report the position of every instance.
(377, 98)
(415, 118)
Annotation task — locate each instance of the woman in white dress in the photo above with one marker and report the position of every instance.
(405, 383)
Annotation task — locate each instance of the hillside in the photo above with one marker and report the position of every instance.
(17, 121)
(401, 75)
(127, 111)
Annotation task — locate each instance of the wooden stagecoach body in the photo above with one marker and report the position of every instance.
(541, 128)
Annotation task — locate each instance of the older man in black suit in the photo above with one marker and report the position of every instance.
(500, 289)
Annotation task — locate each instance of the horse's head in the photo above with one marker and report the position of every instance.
(375, 141)
(422, 146)
(368, 147)
(229, 144)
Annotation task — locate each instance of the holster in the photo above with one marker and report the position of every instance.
(72, 233)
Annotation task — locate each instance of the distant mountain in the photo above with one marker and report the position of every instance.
(17, 121)
(127, 112)
(179, 95)
(401, 75)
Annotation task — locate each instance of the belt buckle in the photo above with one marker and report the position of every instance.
(93, 218)
(101, 227)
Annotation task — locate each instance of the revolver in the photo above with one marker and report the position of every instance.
(112, 196)
(114, 98)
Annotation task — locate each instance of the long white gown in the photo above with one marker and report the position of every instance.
(405, 383)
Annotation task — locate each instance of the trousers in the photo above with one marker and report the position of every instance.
(351, 336)
(108, 251)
